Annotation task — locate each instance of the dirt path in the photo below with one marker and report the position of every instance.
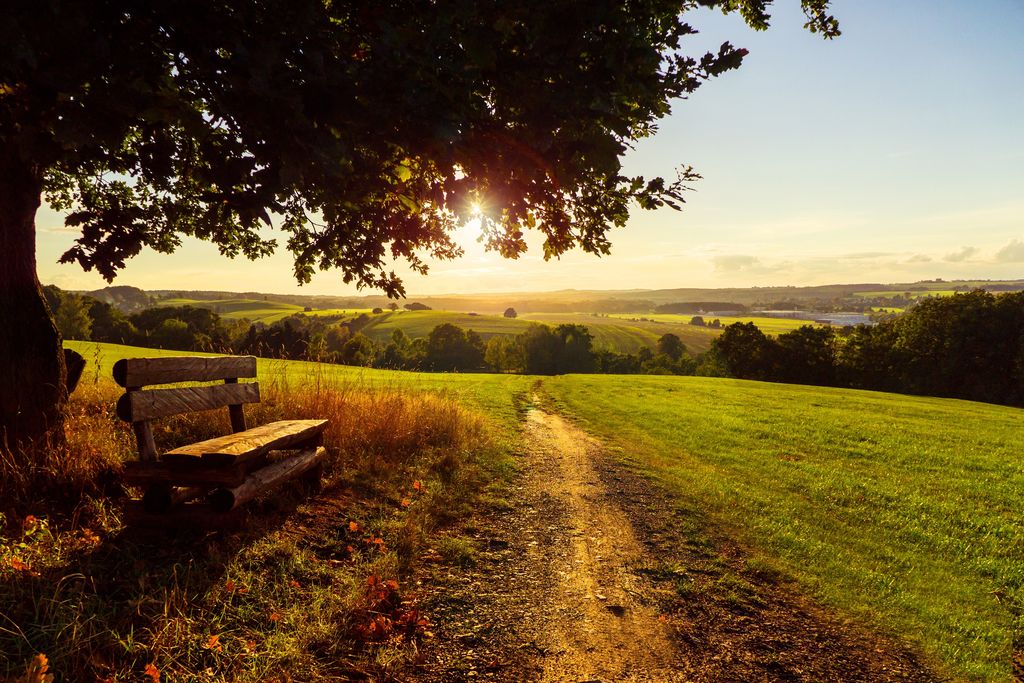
(606, 629)
(591, 573)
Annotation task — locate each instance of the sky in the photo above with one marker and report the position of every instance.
(894, 153)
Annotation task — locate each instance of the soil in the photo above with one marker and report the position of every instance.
(592, 573)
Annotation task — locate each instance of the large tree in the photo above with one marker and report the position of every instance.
(370, 129)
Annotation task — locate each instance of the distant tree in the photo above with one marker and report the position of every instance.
(449, 348)
(671, 345)
(416, 306)
(697, 320)
(510, 312)
(73, 319)
(504, 354)
(540, 348)
(745, 352)
(576, 352)
(392, 306)
(358, 350)
(109, 324)
(335, 339)
(377, 311)
(807, 355)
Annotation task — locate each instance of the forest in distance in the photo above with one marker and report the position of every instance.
(957, 344)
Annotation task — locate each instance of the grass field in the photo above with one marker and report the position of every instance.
(902, 511)
(766, 325)
(498, 396)
(913, 294)
(628, 333)
(257, 310)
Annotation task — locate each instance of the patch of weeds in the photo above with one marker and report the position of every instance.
(737, 593)
(457, 550)
(765, 570)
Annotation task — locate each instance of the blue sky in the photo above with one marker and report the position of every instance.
(891, 154)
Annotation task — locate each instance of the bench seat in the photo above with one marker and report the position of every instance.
(240, 447)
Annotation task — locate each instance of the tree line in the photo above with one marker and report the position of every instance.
(968, 346)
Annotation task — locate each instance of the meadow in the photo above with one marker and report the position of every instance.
(767, 325)
(900, 512)
(256, 310)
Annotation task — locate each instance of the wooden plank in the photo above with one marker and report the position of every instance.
(252, 443)
(266, 479)
(138, 372)
(144, 473)
(136, 406)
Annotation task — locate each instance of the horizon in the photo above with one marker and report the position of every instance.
(891, 154)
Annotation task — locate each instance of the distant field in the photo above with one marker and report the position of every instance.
(257, 310)
(913, 294)
(903, 511)
(617, 335)
(766, 325)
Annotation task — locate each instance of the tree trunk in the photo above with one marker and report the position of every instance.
(32, 372)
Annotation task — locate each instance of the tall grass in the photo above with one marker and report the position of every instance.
(305, 590)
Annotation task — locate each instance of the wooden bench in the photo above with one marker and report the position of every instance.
(226, 471)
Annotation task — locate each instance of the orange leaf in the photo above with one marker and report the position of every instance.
(418, 485)
(294, 584)
(229, 586)
(213, 643)
(19, 566)
(353, 526)
(243, 590)
(152, 672)
(274, 617)
(406, 502)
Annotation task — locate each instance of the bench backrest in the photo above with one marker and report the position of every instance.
(139, 405)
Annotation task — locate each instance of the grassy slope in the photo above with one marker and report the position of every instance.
(766, 325)
(493, 394)
(901, 510)
(904, 511)
(255, 309)
(420, 323)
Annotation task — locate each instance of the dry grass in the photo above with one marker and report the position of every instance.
(306, 590)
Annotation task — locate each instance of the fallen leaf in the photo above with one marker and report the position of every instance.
(294, 584)
(152, 672)
(274, 617)
(214, 643)
(406, 502)
(353, 526)
(418, 485)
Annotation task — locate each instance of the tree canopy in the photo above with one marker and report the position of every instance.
(370, 130)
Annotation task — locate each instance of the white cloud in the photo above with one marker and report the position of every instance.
(960, 255)
(1011, 253)
(919, 258)
(735, 262)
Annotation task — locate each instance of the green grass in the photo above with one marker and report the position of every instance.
(257, 310)
(766, 325)
(420, 323)
(496, 395)
(901, 511)
(914, 294)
